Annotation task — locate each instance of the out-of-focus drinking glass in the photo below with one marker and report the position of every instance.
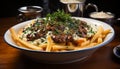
(29, 12)
(76, 7)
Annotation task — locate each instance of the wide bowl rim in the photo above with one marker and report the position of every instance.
(84, 49)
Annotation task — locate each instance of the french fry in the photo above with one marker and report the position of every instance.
(59, 47)
(43, 45)
(14, 37)
(91, 45)
(13, 34)
(26, 44)
(99, 40)
(99, 32)
(81, 40)
(49, 44)
(105, 32)
(85, 43)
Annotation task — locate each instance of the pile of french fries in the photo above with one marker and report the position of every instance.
(50, 46)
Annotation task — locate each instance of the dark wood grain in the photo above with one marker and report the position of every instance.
(11, 58)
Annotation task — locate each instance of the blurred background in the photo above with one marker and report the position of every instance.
(9, 8)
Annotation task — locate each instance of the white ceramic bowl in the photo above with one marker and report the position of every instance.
(60, 57)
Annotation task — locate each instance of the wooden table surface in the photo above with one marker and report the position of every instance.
(11, 58)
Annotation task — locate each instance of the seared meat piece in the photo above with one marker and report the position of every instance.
(83, 31)
(37, 35)
(30, 37)
(62, 38)
(50, 28)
